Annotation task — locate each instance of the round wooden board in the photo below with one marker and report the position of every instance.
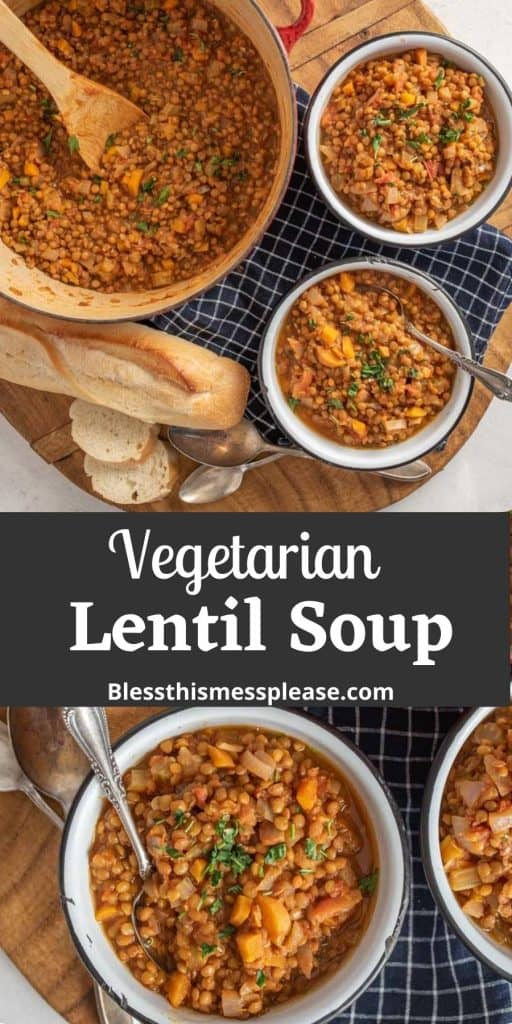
(43, 419)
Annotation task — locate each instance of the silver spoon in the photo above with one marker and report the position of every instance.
(89, 728)
(499, 383)
(47, 759)
(207, 483)
(235, 447)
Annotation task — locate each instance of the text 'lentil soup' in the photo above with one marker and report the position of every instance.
(348, 367)
(175, 192)
(409, 141)
(265, 870)
(476, 826)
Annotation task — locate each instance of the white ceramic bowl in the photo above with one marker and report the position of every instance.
(324, 999)
(500, 98)
(366, 458)
(497, 957)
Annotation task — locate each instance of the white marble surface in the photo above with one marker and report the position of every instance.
(478, 479)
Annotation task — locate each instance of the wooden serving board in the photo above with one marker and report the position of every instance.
(43, 419)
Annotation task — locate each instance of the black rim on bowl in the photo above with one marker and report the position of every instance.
(391, 940)
(426, 855)
(337, 265)
(402, 239)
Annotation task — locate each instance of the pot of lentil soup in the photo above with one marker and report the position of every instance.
(466, 834)
(409, 138)
(281, 869)
(183, 196)
(344, 379)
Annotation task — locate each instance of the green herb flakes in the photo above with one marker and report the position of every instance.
(368, 883)
(275, 853)
(260, 979)
(73, 144)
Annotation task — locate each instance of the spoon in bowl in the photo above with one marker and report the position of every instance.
(89, 729)
(90, 112)
(499, 383)
(37, 754)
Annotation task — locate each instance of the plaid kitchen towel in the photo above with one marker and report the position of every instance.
(430, 978)
(230, 317)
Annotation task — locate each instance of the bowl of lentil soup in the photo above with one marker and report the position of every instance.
(466, 834)
(257, 921)
(409, 138)
(183, 196)
(343, 378)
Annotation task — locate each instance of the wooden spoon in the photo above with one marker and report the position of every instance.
(91, 112)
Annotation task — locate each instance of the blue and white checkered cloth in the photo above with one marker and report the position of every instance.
(476, 270)
(430, 978)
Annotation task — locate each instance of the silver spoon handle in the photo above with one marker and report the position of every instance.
(499, 383)
(34, 795)
(89, 728)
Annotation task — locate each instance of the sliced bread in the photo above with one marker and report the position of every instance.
(135, 483)
(110, 436)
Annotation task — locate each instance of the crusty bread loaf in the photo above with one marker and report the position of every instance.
(110, 436)
(134, 369)
(134, 483)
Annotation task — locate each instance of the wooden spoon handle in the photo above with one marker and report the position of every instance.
(20, 41)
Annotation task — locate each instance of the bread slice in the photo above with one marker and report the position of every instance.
(134, 483)
(110, 436)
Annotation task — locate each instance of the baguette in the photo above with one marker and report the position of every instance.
(110, 436)
(136, 370)
(135, 483)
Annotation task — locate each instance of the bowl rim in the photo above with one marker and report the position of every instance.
(444, 754)
(398, 821)
(373, 229)
(335, 266)
(84, 315)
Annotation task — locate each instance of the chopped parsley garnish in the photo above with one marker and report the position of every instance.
(335, 403)
(162, 196)
(363, 133)
(216, 905)
(171, 851)
(111, 141)
(227, 851)
(313, 851)
(376, 144)
(440, 79)
(352, 392)
(293, 402)
(47, 141)
(404, 115)
(312, 323)
(260, 979)
(206, 949)
(293, 831)
(306, 871)
(159, 821)
(368, 883)
(215, 877)
(274, 853)
(375, 369)
(52, 213)
(179, 816)
(261, 871)
(226, 932)
(198, 166)
(349, 316)
(143, 226)
(148, 186)
(73, 144)
(447, 135)
(463, 113)
(236, 72)
(419, 140)
(382, 118)
(235, 890)
(178, 55)
(181, 152)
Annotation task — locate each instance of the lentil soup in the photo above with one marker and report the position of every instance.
(178, 190)
(348, 368)
(265, 870)
(409, 140)
(476, 826)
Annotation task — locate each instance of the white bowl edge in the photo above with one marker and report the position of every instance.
(325, 998)
(365, 458)
(476, 939)
(500, 101)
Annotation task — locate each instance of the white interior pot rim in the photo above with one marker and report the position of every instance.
(370, 459)
(484, 205)
(387, 915)
(486, 949)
